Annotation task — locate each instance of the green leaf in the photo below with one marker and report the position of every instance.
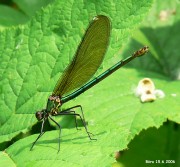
(71, 153)
(30, 7)
(6, 160)
(10, 16)
(161, 36)
(159, 32)
(35, 54)
(162, 145)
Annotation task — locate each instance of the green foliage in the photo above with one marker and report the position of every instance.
(159, 144)
(19, 12)
(34, 55)
(6, 18)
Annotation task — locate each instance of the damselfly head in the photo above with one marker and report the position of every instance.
(40, 115)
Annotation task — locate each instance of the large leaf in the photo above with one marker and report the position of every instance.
(162, 145)
(34, 55)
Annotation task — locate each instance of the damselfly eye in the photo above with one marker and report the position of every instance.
(39, 115)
